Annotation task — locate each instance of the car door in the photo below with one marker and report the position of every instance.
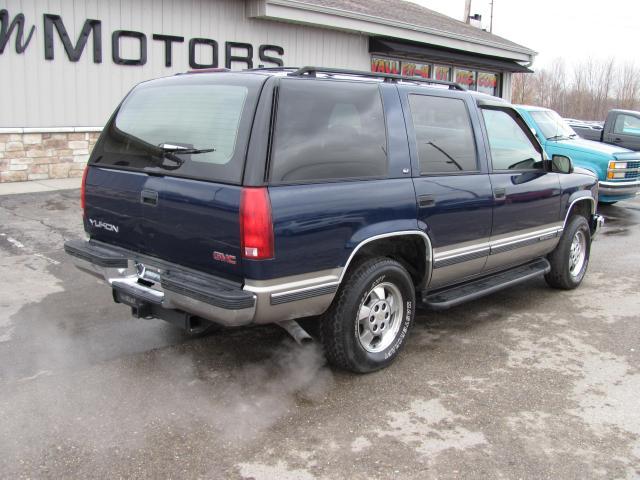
(451, 181)
(526, 194)
(625, 132)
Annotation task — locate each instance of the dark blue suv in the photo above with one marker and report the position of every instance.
(266, 196)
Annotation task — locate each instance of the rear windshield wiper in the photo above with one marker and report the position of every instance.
(169, 151)
(170, 148)
(557, 137)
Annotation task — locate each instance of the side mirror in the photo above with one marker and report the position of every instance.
(561, 164)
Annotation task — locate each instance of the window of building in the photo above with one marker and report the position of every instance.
(422, 70)
(442, 72)
(488, 83)
(444, 135)
(328, 130)
(485, 82)
(467, 78)
(385, 65)
(511, 148)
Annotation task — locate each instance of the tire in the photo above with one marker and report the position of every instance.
(382, 289)
(569, 263)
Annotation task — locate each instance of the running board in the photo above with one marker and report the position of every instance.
(452, 296)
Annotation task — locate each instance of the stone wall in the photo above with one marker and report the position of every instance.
(44, 155)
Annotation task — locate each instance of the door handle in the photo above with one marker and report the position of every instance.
(617, 139)
(499, 193)
(426, 200)
(149, 197)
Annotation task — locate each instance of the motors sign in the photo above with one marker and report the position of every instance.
(234, 52)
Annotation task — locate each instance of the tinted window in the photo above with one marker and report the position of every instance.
(443, 134)
(511, 148)
(201, 111)
(328, 130)
(194, 116)
(628, 125)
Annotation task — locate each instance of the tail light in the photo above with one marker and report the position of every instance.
(83, 188)
(256, 226)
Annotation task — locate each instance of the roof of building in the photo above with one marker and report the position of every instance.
(412, 14)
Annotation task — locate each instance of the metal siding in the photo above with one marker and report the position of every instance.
(35, 92)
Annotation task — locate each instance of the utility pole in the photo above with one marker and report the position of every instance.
(491, 21)
(467, 11)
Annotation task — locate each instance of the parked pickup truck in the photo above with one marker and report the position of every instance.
(271, 195)
(617, 168)
(621, 128)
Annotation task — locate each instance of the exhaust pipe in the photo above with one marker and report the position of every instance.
(298, 333)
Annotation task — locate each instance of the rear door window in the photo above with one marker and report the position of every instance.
(444, 135)
(328, 130)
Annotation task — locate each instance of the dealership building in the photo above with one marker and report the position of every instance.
(66, 64)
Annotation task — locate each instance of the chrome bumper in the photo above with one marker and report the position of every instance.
(619, 188)
(162, 286)
(207, 297)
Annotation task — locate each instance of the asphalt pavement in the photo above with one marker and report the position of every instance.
(527, 383)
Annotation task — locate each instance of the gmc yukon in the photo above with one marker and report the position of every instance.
(266, 196)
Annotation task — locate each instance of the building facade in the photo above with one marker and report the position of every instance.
(66, 64)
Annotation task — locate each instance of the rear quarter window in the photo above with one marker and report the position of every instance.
(328, 130)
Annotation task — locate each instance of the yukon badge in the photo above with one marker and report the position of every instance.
(104, 225)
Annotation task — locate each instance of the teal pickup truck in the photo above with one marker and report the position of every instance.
(617, 168)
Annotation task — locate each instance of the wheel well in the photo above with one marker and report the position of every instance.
(580, 207)
(408, 250)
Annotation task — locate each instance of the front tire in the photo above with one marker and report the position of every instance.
(368, 321)
(570, 259)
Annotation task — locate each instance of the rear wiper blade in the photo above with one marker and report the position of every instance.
(557, 137)
(177, 149)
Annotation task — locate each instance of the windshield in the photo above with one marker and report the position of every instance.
(551, 125)
(194, 126)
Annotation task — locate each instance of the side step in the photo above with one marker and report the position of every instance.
(452, 296)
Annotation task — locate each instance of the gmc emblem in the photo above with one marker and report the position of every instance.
(223, 257)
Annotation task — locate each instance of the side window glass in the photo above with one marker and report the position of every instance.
(443, 134)
(328, 130)
(511, 148)
(627, 125)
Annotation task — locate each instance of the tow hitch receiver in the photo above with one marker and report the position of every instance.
(139, 308)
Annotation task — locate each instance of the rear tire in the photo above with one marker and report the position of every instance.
(570, 259)
(368, 321)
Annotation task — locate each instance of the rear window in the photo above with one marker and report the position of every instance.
(194, 116)
(328, 130)
(210, 112)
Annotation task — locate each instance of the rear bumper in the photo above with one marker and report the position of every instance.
(164, 287)
(618, 189)
(164, 290)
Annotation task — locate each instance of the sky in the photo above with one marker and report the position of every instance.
(570, 29)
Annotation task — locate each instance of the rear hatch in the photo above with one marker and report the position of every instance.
(164, 178)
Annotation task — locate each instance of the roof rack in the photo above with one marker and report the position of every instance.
(271, 69)
(388, 77)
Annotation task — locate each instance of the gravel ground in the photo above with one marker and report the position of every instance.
(527, 383)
